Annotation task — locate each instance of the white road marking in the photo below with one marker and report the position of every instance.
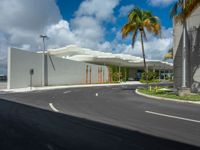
(97, 94)
(53, 108)
(175, 117)
(115, 88)
(67, 92)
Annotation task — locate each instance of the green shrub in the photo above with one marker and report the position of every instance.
(149, 77)
(116, 76)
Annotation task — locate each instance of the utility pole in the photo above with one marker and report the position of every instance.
(184, 52)
(43, 61)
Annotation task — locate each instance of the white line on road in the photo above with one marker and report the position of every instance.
(67, 92)
(53, 108)
(175, 117)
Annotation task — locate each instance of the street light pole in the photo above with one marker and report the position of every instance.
(184, 52)
(43, 60)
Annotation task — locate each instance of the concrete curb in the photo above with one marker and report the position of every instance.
(20, 90)
(163, 98)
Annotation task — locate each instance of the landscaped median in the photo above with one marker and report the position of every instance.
(165, 94)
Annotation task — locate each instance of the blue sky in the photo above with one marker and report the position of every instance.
(93, 24)
(68, 8)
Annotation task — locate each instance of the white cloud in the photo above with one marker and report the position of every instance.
(88, 22)
(21, 23)
(99, 9)
(124, 10)
(28, 14)
(162, 3)
(86, 29)
(60, 35)
(155, 47)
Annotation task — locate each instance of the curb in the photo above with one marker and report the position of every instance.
(21, 90)
(163, 98)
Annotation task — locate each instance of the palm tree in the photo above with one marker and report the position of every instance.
(180, 11)
(140, 21)
(169, 55)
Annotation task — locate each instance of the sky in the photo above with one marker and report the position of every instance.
(94, 24)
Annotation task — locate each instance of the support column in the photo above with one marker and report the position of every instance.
(119, 73)
(110, 74)
(103, 75)
(98, 76)
(125, 74)
(86, 80)
(90, 74)
(184, 91)
(164, 73)
(159, 72)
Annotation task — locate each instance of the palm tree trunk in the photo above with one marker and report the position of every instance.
(143, 53)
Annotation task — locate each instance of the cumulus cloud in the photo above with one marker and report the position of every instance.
(124, 10)
(22, 21)
(88, 31)
(155, 48)
(162, 3)
(60, 35)
(101, 10)
(88, 22)
(86, 28)
(34, 17)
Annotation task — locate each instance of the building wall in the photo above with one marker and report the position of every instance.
(193, 52)
(59, 71)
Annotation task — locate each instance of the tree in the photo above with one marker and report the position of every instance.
(140, 21)
(169, 55)
(180, 11)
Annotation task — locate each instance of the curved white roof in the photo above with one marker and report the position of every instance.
(77, 53)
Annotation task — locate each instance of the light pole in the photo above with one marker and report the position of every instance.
(184, 52)
(43, 60)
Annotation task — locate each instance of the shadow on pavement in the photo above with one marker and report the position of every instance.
(133, 87)
(24, 127)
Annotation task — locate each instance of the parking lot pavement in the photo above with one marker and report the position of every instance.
(113, 117)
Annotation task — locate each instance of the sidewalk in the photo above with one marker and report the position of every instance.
(28, 89)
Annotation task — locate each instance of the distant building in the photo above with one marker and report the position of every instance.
(135, 64)
(193, 52)
(75, 65)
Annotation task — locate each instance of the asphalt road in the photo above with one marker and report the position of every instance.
(96, 118)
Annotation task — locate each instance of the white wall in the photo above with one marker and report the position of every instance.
(66, 71)
(19, 64)
(193, 53)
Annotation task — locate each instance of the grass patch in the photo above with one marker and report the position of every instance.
(150, 81)
(168, 94)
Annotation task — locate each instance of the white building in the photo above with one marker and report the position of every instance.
(70, 65)
(192, 52)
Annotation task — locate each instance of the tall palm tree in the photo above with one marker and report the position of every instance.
(180, 11)
(140, 21)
